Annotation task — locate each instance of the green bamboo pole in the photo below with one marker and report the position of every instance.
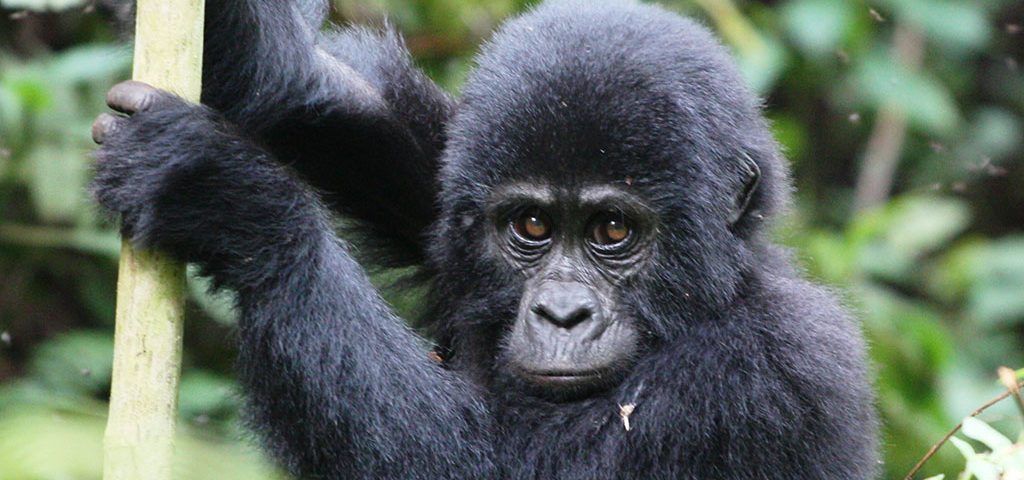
(139, 438)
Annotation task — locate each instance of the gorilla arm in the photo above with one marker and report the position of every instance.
(337, 385)
(347, 110)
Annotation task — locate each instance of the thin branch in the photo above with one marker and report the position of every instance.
(935, 448)
(1008, 377)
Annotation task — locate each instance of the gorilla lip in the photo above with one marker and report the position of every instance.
(563, 380)
(564, 377)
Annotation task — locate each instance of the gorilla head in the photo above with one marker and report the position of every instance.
(607, 174)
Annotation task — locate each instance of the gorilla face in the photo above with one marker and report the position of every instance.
(617, 188)
(576, 248)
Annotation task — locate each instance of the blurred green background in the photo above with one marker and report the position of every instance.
(902, 120)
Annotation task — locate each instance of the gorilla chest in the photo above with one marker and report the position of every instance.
(585, 444)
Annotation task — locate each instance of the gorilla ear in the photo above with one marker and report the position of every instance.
(752, 179)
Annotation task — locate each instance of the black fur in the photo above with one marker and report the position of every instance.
(747, 370)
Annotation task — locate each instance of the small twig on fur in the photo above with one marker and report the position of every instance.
(624, 412)
(935, 448)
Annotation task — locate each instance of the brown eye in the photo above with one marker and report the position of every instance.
(610, 229)
(532, 225)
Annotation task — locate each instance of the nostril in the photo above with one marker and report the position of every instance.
(579, 316)
(565, 319)
(542, 312)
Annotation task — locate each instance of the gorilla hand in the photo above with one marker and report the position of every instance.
(184, 180)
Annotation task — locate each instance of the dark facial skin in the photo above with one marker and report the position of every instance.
(576, 246)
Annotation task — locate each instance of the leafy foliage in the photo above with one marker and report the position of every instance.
(1003, 459)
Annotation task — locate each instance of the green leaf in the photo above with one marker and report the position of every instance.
(923, 223)
(95, 242)
(982, 432)
(996, 132)
(954, 273)
(57, 176)
(37, 442)
(78, 361)
(996, 297)
(41, 5)
(762, 63)
(891, 241)
(791, 133)
(11, 110)
(997, 304)
(965, 448)
(908, 341)
(981, 467)
(817, 26)
(89, 63)
(30, 90)
(830, 256)
(203, 393)
(219, 305)
(952, 24)
(929, 105)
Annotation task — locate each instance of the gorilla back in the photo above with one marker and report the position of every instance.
(591, 218)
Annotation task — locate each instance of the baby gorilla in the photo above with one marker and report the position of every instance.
(589, 218)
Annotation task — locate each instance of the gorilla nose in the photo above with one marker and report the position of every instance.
(566, 304)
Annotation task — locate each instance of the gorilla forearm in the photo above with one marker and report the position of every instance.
(342, 390)
(336, 383)
(348, 110)
(247, 46)
(267, 63)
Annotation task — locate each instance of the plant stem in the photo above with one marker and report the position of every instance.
(139, 439)
(935, 448)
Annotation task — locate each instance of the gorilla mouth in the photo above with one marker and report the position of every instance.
(567, 378)
(588, 373)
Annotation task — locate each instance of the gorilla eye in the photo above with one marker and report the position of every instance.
(532, 225)
(610, 229)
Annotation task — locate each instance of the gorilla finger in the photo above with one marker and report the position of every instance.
(131, 96)
(104, 125)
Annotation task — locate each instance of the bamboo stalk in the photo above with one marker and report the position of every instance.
(139, 438)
